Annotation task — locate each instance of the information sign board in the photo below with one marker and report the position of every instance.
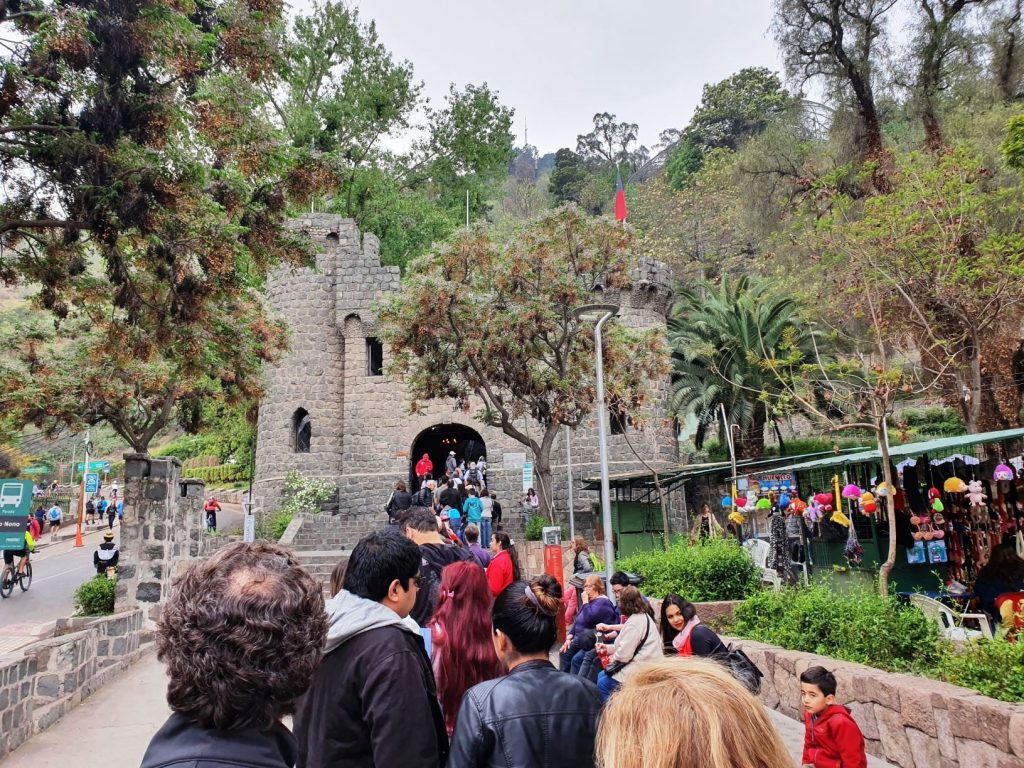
(15, 504)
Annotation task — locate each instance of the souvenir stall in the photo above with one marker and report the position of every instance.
(955, 499)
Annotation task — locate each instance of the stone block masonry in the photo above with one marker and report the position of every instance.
(362, 430)
(44, 680)
(911, 721)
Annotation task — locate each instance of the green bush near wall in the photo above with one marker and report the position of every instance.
(95, 597)
(717, 569)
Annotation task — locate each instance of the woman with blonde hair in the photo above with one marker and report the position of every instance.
(686, 713)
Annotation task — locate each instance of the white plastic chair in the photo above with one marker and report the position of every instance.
(950, 622)
(758, 551)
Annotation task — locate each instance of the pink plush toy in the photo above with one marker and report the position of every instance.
(975, 495)
(813, 511)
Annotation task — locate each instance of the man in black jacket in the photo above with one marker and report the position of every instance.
(241, 636)
(420, 525)
(373, 702)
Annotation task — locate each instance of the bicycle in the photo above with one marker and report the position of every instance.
(10, 576)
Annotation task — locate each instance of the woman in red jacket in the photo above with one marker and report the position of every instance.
(504, 567)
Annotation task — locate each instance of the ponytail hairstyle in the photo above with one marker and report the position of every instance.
(525, 612)
(507, 546)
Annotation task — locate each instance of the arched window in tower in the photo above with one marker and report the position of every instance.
(374, 357)
(302, 431)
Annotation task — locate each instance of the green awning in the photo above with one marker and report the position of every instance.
(938, 445)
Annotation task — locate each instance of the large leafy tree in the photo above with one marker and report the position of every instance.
(840, 43)
(612, 143)
(491, 324)
(721, 337)
(344, 102)
(144, 202)
(944, 253)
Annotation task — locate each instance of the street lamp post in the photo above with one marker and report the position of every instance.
(604, 312)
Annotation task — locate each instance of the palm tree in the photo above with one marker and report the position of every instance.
(725, 340)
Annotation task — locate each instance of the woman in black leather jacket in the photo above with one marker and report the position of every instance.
(534, 715)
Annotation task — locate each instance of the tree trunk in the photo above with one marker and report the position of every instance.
(751, 442)
(890, 505)
(544, 485)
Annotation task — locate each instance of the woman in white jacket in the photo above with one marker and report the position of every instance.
(637, 641)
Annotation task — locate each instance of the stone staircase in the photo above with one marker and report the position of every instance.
(321, 541)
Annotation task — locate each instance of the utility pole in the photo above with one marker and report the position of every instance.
(81, 496)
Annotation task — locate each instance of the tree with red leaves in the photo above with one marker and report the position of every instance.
(145, 199)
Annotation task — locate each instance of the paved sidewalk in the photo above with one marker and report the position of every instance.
(113, 726)
(110, 728)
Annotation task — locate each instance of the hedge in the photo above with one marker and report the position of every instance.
(224, 473)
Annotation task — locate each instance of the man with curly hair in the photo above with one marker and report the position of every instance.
(241, 637)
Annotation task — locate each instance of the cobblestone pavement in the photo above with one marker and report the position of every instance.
(114, 726)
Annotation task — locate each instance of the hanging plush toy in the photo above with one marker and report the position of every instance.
(867, 503)
(1003, 473)
(741, 501)
(882, 489)
(783, 501)
(814, 511)
(726, 502)
(954, 485)
(975, 494)
(851, 491)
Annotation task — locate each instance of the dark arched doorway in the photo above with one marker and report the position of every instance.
(437, 441)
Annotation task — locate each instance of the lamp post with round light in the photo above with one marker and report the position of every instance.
(602, 313)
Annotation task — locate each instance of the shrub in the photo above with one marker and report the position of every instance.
(95, 597)
(993, 667)
(857, 626)
(535, 528)
(717, 569)
(301, 494)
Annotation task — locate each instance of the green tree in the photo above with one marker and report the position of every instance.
(491, 324)
(738, 107)
(944, 218)
(720, 337)
(684, 162)
(839, 42)
(343, 96)
(567, 177)
(145, 201)
(612, 143)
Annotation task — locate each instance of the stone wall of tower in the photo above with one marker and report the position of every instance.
(363, 427)
(310, 375)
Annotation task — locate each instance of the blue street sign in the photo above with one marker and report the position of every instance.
(92, 483)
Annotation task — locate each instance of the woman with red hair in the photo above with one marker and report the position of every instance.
(460, 634)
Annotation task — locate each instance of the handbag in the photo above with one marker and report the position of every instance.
(616, 666)
(744, 670)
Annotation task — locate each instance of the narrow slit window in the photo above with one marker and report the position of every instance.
(302, 431)
(374, 357)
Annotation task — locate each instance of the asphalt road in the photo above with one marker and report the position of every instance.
(58, 570)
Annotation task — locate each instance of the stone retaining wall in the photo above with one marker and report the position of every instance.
(41, 682)
(911, 721)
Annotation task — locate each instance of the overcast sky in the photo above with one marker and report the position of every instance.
(557, 62)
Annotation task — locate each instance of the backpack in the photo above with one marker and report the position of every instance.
(598, 568)
(54, 514)
(30, 541)
(424, 497)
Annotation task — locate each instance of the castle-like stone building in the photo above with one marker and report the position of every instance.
(330, 412)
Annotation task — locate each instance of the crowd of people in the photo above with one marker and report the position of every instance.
(430, 653)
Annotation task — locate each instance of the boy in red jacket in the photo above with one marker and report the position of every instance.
(832, 739)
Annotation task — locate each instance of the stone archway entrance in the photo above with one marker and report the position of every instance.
(438, 440)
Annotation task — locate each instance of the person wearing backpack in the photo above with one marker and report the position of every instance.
(420, 525)
(54, 516)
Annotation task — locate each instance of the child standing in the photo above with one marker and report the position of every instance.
(832, 738)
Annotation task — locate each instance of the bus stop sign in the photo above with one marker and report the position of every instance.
(15, 504)
(92, 483)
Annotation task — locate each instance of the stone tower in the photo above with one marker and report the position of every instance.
(328, 412)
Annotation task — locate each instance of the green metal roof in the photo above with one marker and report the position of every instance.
(682, 472)
(908, 449)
